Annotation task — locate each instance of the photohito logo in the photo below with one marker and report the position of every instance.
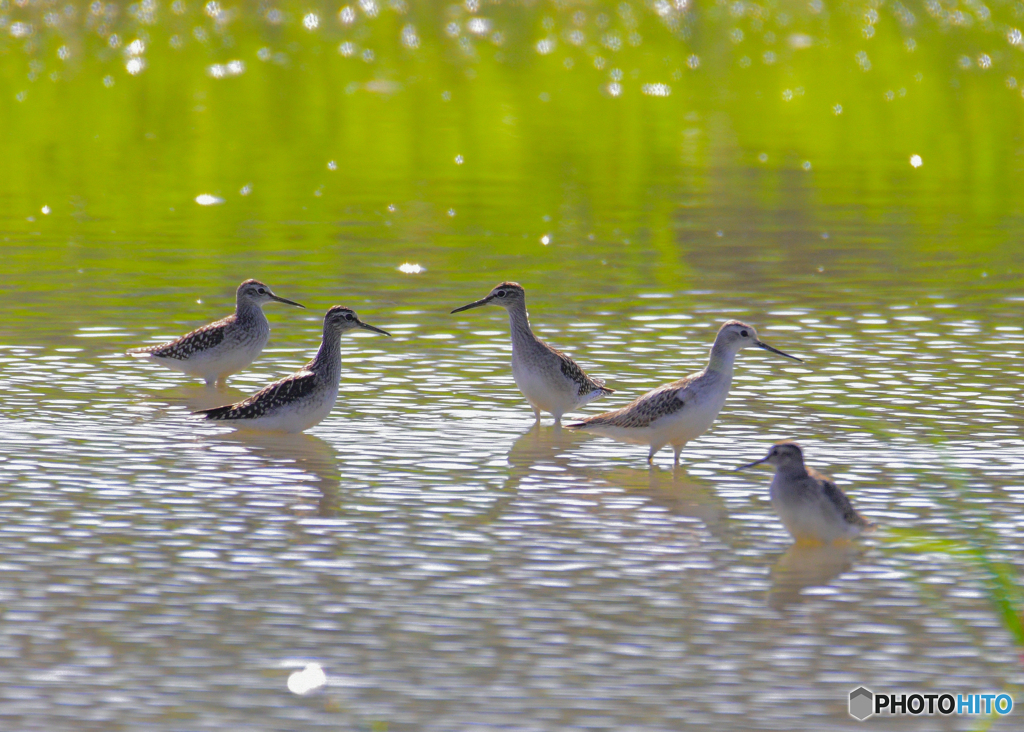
(865, 703)
(861, 703)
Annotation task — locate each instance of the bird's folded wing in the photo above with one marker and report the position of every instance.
(572, 371)
(644, 410)
(286, 391)
(839, 499)
(188, 345)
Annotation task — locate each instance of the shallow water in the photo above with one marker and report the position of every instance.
(448, 565)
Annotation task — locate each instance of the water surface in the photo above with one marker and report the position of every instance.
(446, 563)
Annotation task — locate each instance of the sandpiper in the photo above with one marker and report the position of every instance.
(305, 398)
(812, 508)
(676, 413)
(551, 381)
(222, 347)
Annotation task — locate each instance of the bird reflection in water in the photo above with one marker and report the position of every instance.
(170, 401)
(676, 491)
(537, 455)
(297, 451)
(541, 446)
(805, 566)
(545, 454)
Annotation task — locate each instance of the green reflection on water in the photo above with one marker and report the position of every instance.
(628, 134)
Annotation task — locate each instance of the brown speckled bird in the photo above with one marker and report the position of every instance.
(303, 399)
(676, 413)
(223, 347)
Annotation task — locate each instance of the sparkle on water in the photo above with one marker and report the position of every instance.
(424, 559)
(310, 678)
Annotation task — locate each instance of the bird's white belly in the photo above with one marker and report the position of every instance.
(688, 423)
(808, 518)
(544, 393)
(805, 522)
(223, 359)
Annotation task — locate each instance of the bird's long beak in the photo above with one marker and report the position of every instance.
(374, 328)
(766, 347)
(756, 462)
(477, 304)
(285, 300)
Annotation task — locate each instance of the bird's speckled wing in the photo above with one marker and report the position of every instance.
(201, 339)
(286, 391)
(572, 371)
(837, 498)
(644, 410)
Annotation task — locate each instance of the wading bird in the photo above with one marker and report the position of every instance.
(225, 346)
(305, 398)
(812, 508)
(551, 381)
(676, 413)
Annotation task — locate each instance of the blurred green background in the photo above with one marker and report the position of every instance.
(572, 119)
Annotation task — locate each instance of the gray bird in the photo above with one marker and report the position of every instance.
(812, 508)
(676, 413)
(551, 381)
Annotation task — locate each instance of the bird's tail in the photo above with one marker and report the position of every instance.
(215, 412)
(142, 351)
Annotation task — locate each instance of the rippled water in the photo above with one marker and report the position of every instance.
(451, 567)
(426, 558)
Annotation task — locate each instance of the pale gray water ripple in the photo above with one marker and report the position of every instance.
(426, 544)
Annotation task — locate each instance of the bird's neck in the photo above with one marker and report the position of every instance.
(721, 359)
(246, 311)
(328, 359)
(792, 471)
(519, 322)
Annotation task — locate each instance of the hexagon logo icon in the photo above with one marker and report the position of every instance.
(862, 703)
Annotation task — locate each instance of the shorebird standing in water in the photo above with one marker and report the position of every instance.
(551, 381)
(812, 508)
(305, 398)
(225, 346)
(676, 413)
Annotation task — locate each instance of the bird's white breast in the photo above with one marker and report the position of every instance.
(540, 384)
(695, 418)
(808, 514)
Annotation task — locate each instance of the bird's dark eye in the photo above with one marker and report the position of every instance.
(261, 291)
(349, 316)
(500, 293)
(744, 333)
